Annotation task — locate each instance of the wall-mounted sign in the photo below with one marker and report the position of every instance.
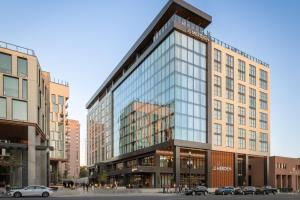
(222, 168)
(197, 35)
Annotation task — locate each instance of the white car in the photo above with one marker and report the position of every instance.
(32, 190)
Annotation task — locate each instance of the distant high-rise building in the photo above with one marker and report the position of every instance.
(179, 101)
(73, 148)
(59, 95)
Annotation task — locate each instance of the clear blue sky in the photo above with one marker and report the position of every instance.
(82, 41)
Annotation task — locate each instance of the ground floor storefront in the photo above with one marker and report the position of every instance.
(186, 167)
(24, 155)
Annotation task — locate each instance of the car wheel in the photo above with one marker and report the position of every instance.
(17, 195)
(45, 194)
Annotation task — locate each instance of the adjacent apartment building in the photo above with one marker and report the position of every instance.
(24, 118)
(73, 149)
(181, 100)
(59, 94)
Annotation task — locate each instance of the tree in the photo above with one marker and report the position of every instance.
(102, 178)
(83, 172)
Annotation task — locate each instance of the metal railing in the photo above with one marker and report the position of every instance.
(16, 48)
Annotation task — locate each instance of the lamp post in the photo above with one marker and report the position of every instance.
(189, 164)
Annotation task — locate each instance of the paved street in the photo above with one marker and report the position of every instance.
(169, 197)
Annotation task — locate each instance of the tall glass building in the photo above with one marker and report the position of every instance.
(175, 103)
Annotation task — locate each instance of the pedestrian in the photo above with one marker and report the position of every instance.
(83, 186)
(87, 187)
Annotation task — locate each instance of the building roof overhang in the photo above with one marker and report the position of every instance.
(178, 7)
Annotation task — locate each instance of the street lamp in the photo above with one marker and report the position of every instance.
(190, 164)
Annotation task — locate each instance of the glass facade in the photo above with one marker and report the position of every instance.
(170, 84)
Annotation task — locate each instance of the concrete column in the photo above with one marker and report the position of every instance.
(236, 170)
(176, 164)
(157, 179)
(31, 156)
(281, 181)
(208, 168)
(247, 169)
(38, 161)
(266, 171)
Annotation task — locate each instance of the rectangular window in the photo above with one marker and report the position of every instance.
(24, 89)
(252, 117)
(263, 142)
(19, 110)
(55, 108)
(252, 75)
(218, 134)
(60, 100)
(218, 86)
(217, 60)
(242, 94)
(242, 116)
(2, 107)
(229, 125)
(218, 109)
(263, 79)
(5, 63)
(22, 67)
(252, 140)
(263, 121)
(242, 138)
(252, 98)
(229, 77)
(11, 86)
(242, 70)
(53, 98)
(263, 101)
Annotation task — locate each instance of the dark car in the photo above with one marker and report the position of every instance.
(199, 190)
(248, 190)
(224, 191)
(266, 190)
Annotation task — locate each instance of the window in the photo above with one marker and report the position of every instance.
(252, 75)
(242, 138)
(19, 110)
(55, 108)
(217, 60)
(252, 117)
(242, 116)
(2, 107)
(11, 86)
(229, 78)
(218, 110)
(252, 98)
(218, 86)
(263, 101)
(218, 134)
(242, 70)
(229, 125)
(24, 89)
(242, 94)
(22, 67)
(53, 98)
(263, 79)
(263, 121)
(60, 100)
(5, 63)
(252, 140)
(263, 142)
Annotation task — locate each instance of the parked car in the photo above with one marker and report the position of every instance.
(199, 190)
(224, 191)
(266, 190)
(248, 190)
(32, 190)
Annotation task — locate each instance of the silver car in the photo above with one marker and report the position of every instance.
(32, 190)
